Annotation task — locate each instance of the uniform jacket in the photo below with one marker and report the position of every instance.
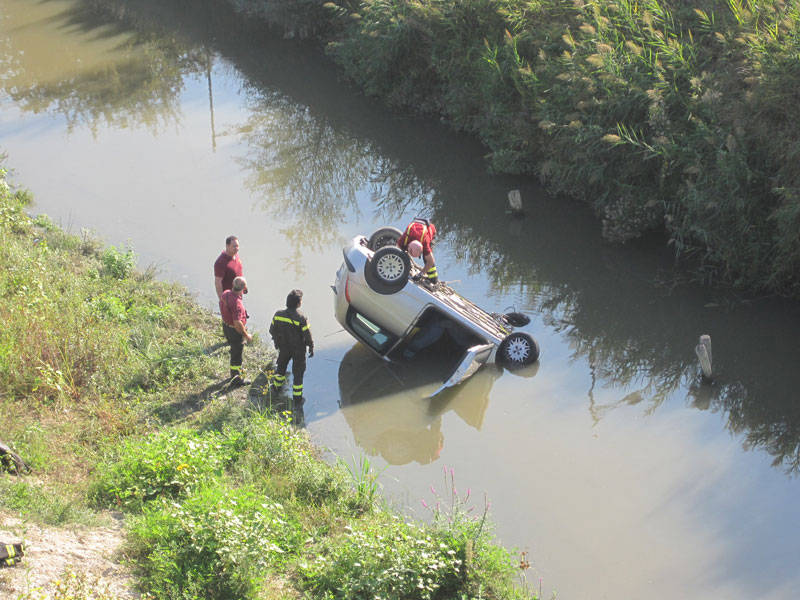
(290, 332)
(421, 230)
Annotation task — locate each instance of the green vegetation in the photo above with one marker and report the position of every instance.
(109, 389)
(668, 118)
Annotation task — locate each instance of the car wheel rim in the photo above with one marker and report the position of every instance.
(390, 267)
(518, 350)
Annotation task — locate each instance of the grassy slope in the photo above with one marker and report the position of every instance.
(666, 117)
(109, 389)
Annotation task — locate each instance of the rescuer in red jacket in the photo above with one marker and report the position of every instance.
(417, 240)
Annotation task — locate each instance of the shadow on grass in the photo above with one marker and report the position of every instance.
(181, 408)
(259, 393)
(265, 399)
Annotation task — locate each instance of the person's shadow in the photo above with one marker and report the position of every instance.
(183, 407)
(264, 398)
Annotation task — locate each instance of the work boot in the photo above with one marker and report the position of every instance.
(237, 381)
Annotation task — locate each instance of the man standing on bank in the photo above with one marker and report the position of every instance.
(227, 266)
(291, 335)
(417, 240)
(234, 321)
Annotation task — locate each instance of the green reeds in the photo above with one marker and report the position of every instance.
(704, 93)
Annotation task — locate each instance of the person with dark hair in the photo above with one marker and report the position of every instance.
(291, 335)
(228, 266)
(417, 240)
(234, 321)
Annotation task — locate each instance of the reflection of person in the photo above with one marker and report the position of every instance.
(291, 335)
(417, 240)
(227, 266)
(234, 321)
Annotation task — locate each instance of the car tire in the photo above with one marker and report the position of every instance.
(387, 271)
(518, 350)
(517, 319)
(385, 236)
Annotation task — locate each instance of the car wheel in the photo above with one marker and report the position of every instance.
(385, 236)
(518, 349)
(517, 319)
(387, 271)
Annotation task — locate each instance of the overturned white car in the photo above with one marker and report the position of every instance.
(382, 300)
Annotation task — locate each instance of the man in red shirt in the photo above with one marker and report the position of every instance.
(227, 266)
(234, 321)
(417, 240)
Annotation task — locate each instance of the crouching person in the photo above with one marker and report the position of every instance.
(291, 335)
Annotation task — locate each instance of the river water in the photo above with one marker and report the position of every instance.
(609, 463)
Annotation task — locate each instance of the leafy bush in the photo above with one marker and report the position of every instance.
(217, 544)
(118, 264)
(169, 464)
(273, 445)
(390, 558)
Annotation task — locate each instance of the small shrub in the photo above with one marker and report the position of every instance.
(274, 445)
(170, 464)
(317, 483)
(118, 264)
(387, 558)
(217, 544)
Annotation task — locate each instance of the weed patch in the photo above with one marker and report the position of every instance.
(169, 464)
(217, 544)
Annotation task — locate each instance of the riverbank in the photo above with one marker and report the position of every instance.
(111, 389)
(669, 120)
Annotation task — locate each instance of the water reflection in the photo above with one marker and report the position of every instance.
(72, 59)
(390, 411)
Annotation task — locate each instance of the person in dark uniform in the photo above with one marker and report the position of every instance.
(291, 335)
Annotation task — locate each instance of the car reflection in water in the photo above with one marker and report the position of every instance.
(389, 406)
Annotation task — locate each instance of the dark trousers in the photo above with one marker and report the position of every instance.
(298, 369)
(236, 340)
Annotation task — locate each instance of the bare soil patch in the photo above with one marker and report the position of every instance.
(93, 551)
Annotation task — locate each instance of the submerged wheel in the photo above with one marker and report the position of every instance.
(385, 236)
(518, 349)
(387, 271)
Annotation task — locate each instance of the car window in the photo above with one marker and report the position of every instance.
(370, 333)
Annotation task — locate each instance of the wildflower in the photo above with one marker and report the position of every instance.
(182, 466)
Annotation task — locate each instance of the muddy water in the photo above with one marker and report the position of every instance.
(608, 462)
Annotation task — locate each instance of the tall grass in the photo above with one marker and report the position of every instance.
(86, 342)
(79, 323)
(669, 119)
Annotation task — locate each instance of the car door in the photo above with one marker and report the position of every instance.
(473, 359)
